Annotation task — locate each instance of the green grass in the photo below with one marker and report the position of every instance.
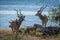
(58, 37)
(7, 37)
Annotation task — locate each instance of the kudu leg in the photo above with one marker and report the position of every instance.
(43, 24)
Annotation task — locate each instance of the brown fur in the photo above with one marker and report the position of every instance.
(29, 28)
(15, 24)
(44, 19)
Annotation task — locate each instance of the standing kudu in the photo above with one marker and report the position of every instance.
(44, 19)
(15, 25)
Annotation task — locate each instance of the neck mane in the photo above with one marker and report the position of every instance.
(20, 22)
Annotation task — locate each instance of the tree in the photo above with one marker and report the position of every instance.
(54, 14)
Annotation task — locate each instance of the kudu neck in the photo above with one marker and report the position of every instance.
(41, 16)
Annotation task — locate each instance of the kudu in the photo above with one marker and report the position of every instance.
(44, 19)
(15, 24)
(30, 29)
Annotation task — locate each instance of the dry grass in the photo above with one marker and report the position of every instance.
(6, 34)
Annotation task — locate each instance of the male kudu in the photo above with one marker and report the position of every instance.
(15, 24)
(44, 19)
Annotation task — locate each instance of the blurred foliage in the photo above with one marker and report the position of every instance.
(54, 13)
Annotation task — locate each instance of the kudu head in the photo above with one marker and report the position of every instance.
(21, 18)
(20, 15)
(40, 11)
